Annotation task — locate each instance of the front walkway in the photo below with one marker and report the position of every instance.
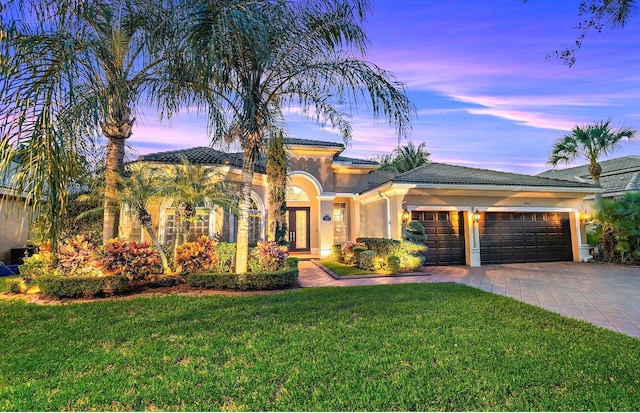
(606, 295)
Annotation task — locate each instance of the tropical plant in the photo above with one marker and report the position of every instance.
(277, 180)
(404, 158)
(73, 70)
(259, 57)
(623, 217)
(78, 256)
(268, 256)
(591, 142)
(197, 256)
(135, 260)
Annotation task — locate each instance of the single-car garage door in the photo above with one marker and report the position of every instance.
(445, 236)
(508, 237)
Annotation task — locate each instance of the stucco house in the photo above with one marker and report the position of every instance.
(472, 216)
(14, 221)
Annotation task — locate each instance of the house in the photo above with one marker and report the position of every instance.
(472, 216)
(618, 176)
(14, 223)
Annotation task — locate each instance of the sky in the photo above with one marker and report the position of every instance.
(487, 92)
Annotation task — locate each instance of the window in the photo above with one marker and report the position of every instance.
(295, 193)
(339, 222)
(255, 224)
(173, 225)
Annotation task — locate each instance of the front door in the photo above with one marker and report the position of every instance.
(298, 219)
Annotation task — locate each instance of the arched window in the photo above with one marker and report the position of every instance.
(295, 193)
(255, 224)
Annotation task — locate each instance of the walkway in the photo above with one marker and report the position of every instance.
(606, 295)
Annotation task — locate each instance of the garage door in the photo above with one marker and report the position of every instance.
(445, 236)
(508, 237)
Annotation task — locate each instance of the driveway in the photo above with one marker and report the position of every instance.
(606, 295)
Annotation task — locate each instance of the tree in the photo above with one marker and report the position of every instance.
(189, 186)
(262, 56)
(405, 158)
(74, 70)
(277, 180)
(622, 217)
(591, 142)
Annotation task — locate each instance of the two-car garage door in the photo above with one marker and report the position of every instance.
(505, 237)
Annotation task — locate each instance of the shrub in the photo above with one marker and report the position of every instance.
(291, 262)
(347, 253)
(135, 260)
(226, 257)
(368, 260)
(36, 265)
(268, 280)
(336, 252)
(268, 256)
(393, 264)
(356, 254)
(78, 256)
(382, 246)
(73, 287)
(17, 286)
(197, 256)
(410, 254)
(414, 232)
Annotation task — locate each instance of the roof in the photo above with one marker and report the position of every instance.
(443, 174)
(311, 142)
(618, 175)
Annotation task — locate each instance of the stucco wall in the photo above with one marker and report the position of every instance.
(14, 227)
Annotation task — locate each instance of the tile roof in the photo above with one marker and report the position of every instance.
(355, 161)
(437, 173)
(200, 155)
(619, 174)
(311, 142)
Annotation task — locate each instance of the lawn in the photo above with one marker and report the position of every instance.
(397, 347)
(343, 270)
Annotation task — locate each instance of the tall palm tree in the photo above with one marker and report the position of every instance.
(281, 53)
(139, 186)
(76, 70)
(405, 158)
(591, 142)
(189, 186)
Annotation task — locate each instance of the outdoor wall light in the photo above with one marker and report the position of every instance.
(406, 216)
(584, 216)
(475, 217)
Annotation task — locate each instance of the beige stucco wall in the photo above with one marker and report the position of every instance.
(14, 226)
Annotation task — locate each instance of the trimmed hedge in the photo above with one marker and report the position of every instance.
(382, 246)
(270, 280)
(73, 287)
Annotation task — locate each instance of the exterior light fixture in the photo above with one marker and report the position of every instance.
(584, 216)
(406, 216)
(475, 217)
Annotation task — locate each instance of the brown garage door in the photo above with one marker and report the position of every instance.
(508, 237)
(445, 236)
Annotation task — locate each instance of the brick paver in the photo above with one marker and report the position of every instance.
(606, 295)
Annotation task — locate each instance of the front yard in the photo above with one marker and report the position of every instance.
(396, 347)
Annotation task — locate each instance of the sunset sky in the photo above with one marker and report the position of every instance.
(478, 71)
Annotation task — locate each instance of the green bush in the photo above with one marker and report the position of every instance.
(414, 232)
(356, 254)
(393, 264)
(291, 262)
(134, 259)
(226, 257)
(17, 286)
(336, 252)
(368, 260)
(382, 246)
(36, 265)
(410, 254)
(73, 287)
(268, 256)
(78, 256)
(271, 280)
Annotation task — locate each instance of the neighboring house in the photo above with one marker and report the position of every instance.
(332, 199)
(618, 176)
(14, 221)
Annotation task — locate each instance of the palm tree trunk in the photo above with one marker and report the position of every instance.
(242, 238)
(114, 167)
(145, 219)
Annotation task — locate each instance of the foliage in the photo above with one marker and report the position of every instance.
(414, 232)
(393, 264)
(268, 256)
(135, 260)
(277, 180)
(260, 280)
(422, 347)
(197, 256)
(226, 252)
(336, 252)
(291, 262)
(411, 255)
(343, 270)
(622, 215)
(356, 253)
(37, 264)
(347, 255)
(17, 286)
(383, 246)
(74, 287)
(369, 261)
(404, 158)
(78, 256)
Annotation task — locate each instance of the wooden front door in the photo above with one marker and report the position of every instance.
(298, 219)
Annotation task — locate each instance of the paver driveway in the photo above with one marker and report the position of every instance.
(606, 295)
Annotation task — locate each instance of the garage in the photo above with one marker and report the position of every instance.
(515, 237)
(445, 236)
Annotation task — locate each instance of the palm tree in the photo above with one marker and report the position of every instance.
(590, 141)
(138, 186)
(74, 70)
(189, 186)
(405, 158)
(282, 53)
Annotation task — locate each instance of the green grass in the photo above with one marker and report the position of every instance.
(397, 347)
(344, 270)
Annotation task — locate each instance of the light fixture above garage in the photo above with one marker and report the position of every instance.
(475, 217)
(406, 216)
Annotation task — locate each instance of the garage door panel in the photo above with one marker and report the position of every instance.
(507, 237)
(445, 236)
